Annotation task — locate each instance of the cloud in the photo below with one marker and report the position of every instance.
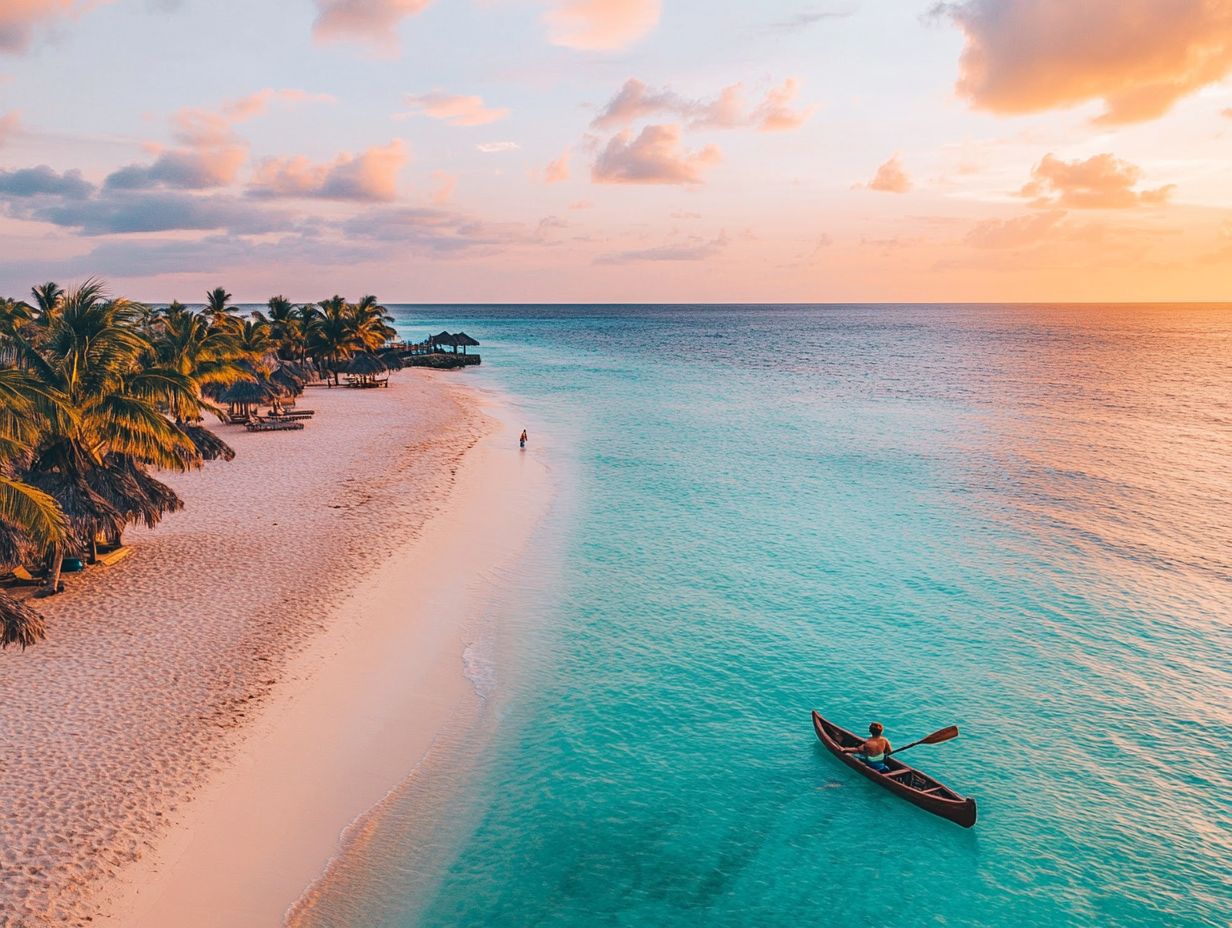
(437, 232)
(653, 157)
(696, 249)
(210, 154)
(774, 113)
(802, 21)
(582, 204)
(600, 25)
(43, 181)
(446, 183)
(10, 125)
(1014, 233)
(635, 101)
(1138, 56)
(374, 22)
(153, 211)
(455, 110)
(558, 170)
(1099, 182)
(891, 177)
(371, 176)
(491, 147)
(18, 18)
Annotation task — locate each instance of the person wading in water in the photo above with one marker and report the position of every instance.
(522, 441)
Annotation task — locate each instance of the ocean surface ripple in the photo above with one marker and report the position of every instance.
(1017, 519)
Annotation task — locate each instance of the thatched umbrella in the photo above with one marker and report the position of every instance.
(19, 624)
(288, 379)
(444, 338)
(366, 366)
(462, 339)
(15, 547)
(132, 492)
(88, 512)
(246, 393)
(389, 357)
(208, 445)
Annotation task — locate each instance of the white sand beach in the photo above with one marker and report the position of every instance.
(207, 717)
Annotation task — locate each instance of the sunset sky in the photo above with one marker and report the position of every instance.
(619, 150)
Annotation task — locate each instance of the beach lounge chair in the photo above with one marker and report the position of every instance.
(22, 577)
(260, 425)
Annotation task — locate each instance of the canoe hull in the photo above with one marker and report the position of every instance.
(903, 781)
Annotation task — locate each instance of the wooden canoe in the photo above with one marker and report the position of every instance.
(906, 782)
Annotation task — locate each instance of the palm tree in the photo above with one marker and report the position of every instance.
(372, 323)
(47, 296)
(331, 335)
(30, 520)
(286, 329)
(92, 353)
(217, 310)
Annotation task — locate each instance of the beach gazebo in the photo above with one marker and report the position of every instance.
(288, 379)
(243, 395)
(462, 340)
(366, 366)
(444, 338)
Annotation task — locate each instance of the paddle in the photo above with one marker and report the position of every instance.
(936, 737)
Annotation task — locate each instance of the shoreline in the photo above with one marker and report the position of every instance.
(357, 712)
(180, 685)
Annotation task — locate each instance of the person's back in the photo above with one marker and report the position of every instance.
(876, 749)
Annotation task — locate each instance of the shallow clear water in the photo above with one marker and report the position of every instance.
(1016, 519)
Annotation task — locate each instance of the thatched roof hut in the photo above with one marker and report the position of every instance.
(248, 393)
(132, 492)
(444, 338)
(19, 624)
(366, 364)
(462, 340)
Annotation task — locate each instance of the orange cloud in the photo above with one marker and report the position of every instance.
(653, 157)
(18, 18)
(1100, 182)
(374, 22)
(1014, 233)
(600, 25)
(891, 178)
(558, 170)
(1138, 56)
(636, 101)
(371, 176)
(455, 110)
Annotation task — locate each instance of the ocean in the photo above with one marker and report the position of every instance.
(1016, 519)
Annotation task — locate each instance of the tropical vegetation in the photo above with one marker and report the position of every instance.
(99, 393)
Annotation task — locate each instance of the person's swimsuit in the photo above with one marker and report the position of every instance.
(876, 761)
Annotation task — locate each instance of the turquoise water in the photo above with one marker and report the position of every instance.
(1015, 519)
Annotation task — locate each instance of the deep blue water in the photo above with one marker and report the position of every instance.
(1016, 519)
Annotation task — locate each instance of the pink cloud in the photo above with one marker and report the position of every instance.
(891, 177)
(374, 22)
(445, 183)
(371, 176)
(653, 157)
(558, 170)
(601, 25)
(1099, 182)
(694, 249)
(455, 110)
(255, 104)
(1138, 56)
(774, 113)
(10, 125)
(636, 101)
(18, 18)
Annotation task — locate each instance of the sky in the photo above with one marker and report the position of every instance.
(619, 150)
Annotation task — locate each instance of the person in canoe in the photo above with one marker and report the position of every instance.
(875, 750)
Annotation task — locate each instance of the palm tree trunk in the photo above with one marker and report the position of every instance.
(53, 575)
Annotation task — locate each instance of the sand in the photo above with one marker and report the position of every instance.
(208, 716)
